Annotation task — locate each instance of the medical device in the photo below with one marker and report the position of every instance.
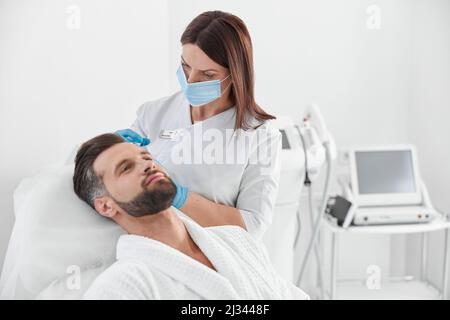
(340, 210)
(306, 146)
(319, 148)
(280, 236)
(386, 186)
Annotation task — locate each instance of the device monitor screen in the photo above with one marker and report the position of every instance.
(386, 176)
(385, 172)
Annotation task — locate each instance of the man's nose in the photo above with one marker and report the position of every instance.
(149, 166)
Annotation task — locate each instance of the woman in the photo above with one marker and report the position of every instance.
(212, 137)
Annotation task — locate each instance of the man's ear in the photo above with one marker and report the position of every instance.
(105, 206)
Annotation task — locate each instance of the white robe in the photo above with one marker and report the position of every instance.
(148, 269)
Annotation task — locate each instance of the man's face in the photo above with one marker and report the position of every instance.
(134, 181)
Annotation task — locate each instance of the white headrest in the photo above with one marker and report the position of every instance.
(55, 234)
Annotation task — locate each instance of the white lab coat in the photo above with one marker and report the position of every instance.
(148, 269)
(239, 181)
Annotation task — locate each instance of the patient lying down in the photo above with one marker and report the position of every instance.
(166, 255)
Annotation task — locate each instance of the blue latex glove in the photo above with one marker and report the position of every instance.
(181, 196)
(182, 192)
(133, 137)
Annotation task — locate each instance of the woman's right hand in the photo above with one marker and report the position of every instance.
(133, 137)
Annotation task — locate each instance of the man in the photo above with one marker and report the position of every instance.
(166, 255)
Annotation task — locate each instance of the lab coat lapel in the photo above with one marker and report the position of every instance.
(191, 273)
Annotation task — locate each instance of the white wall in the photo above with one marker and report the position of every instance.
(60, 86)
(430, 114)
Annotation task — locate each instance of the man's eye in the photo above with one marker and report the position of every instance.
(126, 168)
(209, 76)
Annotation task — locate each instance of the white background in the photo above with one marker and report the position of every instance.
(386, 86)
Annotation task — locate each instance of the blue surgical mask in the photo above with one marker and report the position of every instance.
(199, 93)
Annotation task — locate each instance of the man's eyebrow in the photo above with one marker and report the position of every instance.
(146, 153)
(199, 70)
(120, 164)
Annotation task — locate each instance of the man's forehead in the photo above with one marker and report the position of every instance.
(108, 159)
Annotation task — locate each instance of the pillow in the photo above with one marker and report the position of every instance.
(56, 237)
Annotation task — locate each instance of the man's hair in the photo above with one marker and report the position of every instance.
(86, 183)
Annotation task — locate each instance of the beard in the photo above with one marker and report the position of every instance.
(151, 201)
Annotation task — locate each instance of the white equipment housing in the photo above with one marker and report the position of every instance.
(386, 187)
(303, 150)
(279, 238)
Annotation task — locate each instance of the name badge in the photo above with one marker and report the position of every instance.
(172, 135)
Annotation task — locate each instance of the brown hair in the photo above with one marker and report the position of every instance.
(225, 39)
(86, 183)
